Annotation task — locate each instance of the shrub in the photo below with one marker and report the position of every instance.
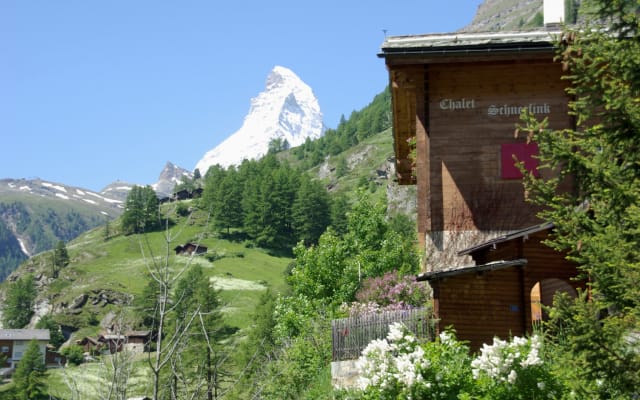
(390, 292)
(74, 354)
(399, 367)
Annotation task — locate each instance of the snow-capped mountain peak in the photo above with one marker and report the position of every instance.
(287, 109)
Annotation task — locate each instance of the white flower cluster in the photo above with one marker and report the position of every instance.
(500, 360)
(396, 359)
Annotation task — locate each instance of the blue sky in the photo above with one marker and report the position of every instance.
(97, 91)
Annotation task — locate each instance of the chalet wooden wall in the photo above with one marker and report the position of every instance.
(485, 304)
(467, 190)
(481, 305)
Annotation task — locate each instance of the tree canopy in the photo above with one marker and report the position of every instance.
(29, 375)
(598, 221)
(141, 211)
(18, 307)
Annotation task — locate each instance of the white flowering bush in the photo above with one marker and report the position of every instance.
(398, 367)
(514, 370)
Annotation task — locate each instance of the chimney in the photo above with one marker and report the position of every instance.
(553, 11)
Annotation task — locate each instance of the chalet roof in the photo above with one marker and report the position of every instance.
(24, 334)
(138, 333)
(469, 43)
(492, 266)
(87, 339)
(505, 238)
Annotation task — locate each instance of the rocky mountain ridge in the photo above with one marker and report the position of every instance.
(286, 110)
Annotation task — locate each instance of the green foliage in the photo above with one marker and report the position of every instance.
(30, 373)
(302, 358)
(182, 209)
(60, 258)
(597, 221)
(18, 307)
(595, 353)
(200, 347)
(277, 145)
(74, 354)
(141, 211)
(55, 334)
(400, 367)
(42, 224)
(310, 214)
(11, 254)
(339, 209)
(372, 119)
(331, 271)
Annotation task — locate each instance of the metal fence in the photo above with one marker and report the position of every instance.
(351, 335)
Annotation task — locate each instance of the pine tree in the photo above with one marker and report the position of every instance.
(141, 212)
(229, 214)
(201, 346)
(18, 307)
(310, 211)
(56, 338)
(60, 258)
(30, 373)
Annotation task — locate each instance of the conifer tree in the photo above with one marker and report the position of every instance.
(30, 373)
(310, 211)
(597, 222)
(19, 304)
(141, 212)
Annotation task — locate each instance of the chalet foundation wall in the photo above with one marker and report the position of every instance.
(344, 374)
(442, 247)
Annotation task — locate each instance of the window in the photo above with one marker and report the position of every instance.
(513, 154)
(5, 349)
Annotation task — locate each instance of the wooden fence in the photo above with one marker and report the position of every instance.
(351, 335)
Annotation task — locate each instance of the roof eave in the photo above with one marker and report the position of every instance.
(492, 266)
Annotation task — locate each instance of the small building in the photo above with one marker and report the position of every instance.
(14, 342)
(503, 292)
(112, 343)
(138, 341)
(135, 341)
(190, 248)
(90, 345)
(54, 359)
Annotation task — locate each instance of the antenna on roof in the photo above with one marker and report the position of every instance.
(385, 32)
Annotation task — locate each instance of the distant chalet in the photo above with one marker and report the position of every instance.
(188, 249)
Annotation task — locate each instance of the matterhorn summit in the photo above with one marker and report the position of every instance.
(287, 109)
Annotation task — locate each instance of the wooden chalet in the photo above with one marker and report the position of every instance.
(456, 101)
(135, 341)
(190, 248)
(90, 345)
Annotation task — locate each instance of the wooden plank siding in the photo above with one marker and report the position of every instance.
(466, 188)
(481, 306)
(460, 96)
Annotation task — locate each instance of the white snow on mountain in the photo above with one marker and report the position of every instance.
(38, 187)
(287, 109)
